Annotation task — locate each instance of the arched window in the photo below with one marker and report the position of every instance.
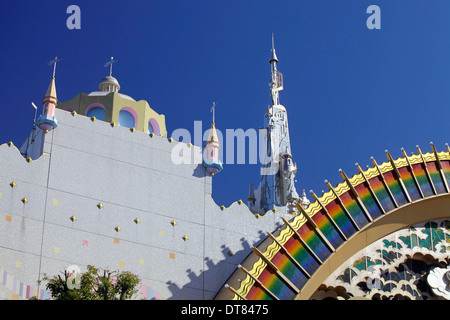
(153, 126)
(150, 128)
(96, 110)
(127, 118)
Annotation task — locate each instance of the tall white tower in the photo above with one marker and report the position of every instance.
(278, 170)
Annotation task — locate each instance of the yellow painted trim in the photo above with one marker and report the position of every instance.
(284, 235)
(327, 197)
(257, 269)
(444, 155)
(341, 188)
(356, 179)
(429, 156)
(400, 163)
(415, 159)
(245, 285)
(385, 167)
(371, 172)
(271, 250)
(313, 208)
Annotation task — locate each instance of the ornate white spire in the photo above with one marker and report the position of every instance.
(274, 56)
(276, 83)
(277, 186)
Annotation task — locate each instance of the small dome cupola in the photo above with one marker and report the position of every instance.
(109, 84)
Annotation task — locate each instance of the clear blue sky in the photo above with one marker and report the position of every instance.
(351, 93)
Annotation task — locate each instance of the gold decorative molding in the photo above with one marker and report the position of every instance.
(327, 197)
(371, 172)
(356, 179)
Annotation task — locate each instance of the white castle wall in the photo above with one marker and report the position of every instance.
(131, 174)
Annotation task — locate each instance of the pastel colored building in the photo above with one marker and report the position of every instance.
(109, 105)
(99, 189)
(95, 183)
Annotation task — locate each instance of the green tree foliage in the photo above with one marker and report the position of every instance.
(94, 284)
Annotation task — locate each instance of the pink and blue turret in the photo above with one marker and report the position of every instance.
(211, 154)
(47, 120)
(211, 161)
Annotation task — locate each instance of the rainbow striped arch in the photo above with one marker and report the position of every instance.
(287, 261)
